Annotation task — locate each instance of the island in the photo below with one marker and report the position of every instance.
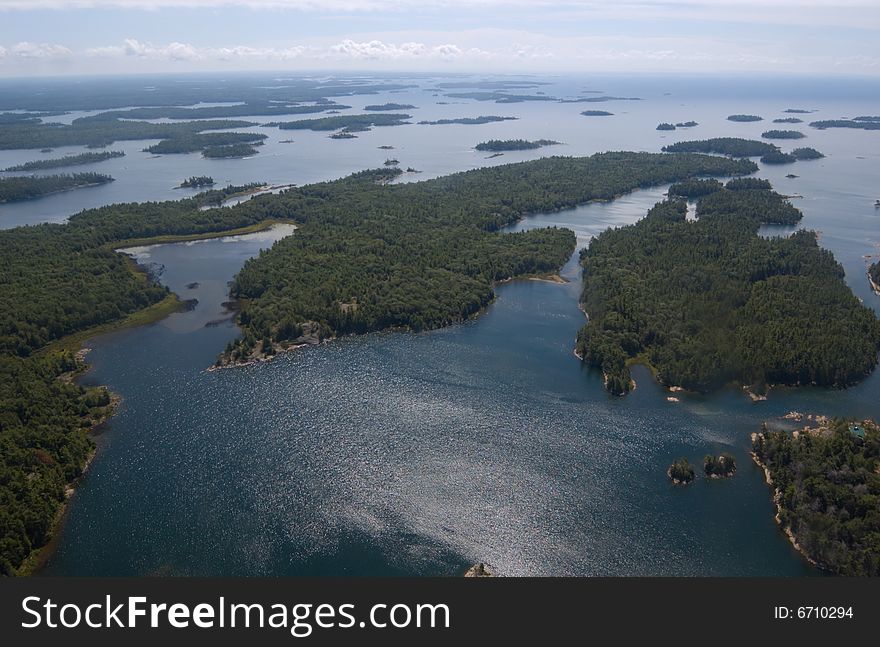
(385, 147)
(252, 109)
(806, 153)
(782, 134)
(863, 124)
(596, 113)
(665, 126)
(496, 145)
(788, 120)
(14, 189)
(467, 121)
(389, 106)
(733, 146)
(226, 151)
(706, 302)
(391, 162)
(824, 483)
(744, 118)
(351, 123)
(719, 467)
(681, 472)
(500, 97)
(68, 160)
(86, 131)
(797, 111)
(196, 181)
(778, 157)
(192, 143)
(694, 188)
(343, 134)
(686, 124)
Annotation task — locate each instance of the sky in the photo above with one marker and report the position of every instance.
(801, 37)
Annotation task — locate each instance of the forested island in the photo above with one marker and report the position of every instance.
(686, 124)
(596, 113)
(859, 122)
(226, 151)
(67, 160)
(513, 144)
(788, 120)
(196, 181)
(389, 106)
(782, 134)
(874, 276)
(719, 467)
(467, 121)
(733, 146)
(710, 302)
(86, 131)
(797, 111)
(13, 189)
(694, 188)
(213, 112)
(744, 118)
(806, 153)
(778, 157)
(500, 97)
(203, 142)
(681, 472)
(827, 491)
(665, 126)
(351, 123)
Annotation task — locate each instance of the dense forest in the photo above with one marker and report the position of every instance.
(745, 118)
(422, 255)
(806, 153)
(367, 255)
(734, 146)
(86, 132)
(67, 160)
(782, 134)
(389, 106)
(467, 121)
(13, 189)
(352, 123)
(225, 151)
(778, 157)
(681, 472)
(191, 143)
(694, 188)
(710, 302)
(513, 144)
(827, 489)
(874, 273)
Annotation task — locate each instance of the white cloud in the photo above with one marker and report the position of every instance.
(42, 51)
(175, 51)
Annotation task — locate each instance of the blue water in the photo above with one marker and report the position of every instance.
(488, 441)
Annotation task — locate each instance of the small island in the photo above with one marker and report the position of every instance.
(719, 467)
(496, 145)
(196, 181)
(744, 118)
(782, 134)
(733, 146)
(788, 120)
(15, 189)
(597, 113)
(686, 124)
(391, 162)
(665, 126)
(874, 276)
(467, 121)
(681, 472)
(862, 123)
(351, 123)
(343, 134)
(824, 483)
(797, 111)
(389, 106)
(229, 151)
(202, 142)
(778, 157)
(68, 160)
(385, 147)
(806, 154)
(695, 188)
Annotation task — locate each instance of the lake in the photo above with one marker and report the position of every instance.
(420, 454)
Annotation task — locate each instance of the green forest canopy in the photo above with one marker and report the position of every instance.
(829, 487)
(13, 189)
(711, 302)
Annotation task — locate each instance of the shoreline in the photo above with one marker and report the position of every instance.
(39, 557)
(777, 495)
(873, 283)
